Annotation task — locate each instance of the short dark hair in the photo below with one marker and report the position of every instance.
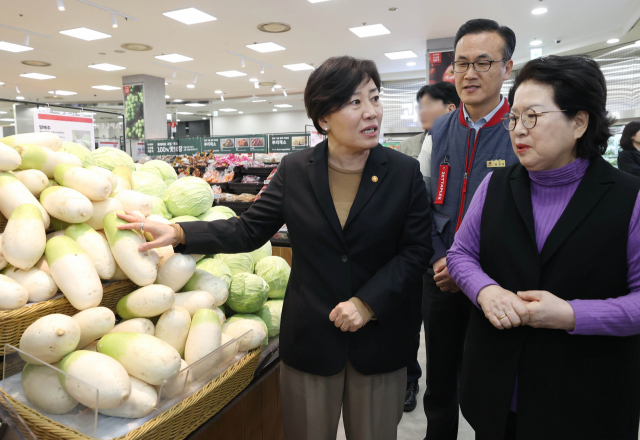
(441, 91)
(629, 131)
(578, 85)
(331, 85)
(482, 25)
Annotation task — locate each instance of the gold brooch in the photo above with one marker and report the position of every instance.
(374, 179)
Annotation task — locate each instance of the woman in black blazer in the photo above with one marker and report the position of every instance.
(629, 157)
(357, 260)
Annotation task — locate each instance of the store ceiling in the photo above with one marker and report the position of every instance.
(319, 30)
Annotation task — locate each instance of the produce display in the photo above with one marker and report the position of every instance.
(125, 356)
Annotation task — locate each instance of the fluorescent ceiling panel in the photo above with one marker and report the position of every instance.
(370, 30)
(62, 92)
(10, 47)
(260, 100)
(86, 34)
(231, 73)
(196, 104)
(317, 1)
(184, 113)
(298, 67)
(283, 105)
(174, 58)
(401, 55)
(190, 16)
(7, 119)
(265, 47)
(106, 67)
(105, 87)
(36, 76)
(228, 110)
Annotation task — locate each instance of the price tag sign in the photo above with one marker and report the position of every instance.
(190, 146)
(162, 147)
(288, 142)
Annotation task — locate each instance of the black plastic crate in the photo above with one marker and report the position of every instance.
(245, 188)
(238, 207)
(262, 172)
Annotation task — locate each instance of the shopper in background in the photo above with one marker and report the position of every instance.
(629, 157)
(356, 214)
(434, 100)
(549, 254)
(466, 145)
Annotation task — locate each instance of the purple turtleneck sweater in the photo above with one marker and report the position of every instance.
(550, 195)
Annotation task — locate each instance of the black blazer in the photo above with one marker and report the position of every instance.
(380, 257)
(629, 162)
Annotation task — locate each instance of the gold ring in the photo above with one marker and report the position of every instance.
(503, 316)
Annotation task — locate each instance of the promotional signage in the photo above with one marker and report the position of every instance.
(134, 111)
(113, 144)
(440, 68)
(161, 147)
(70, 127)
(288, 142)
(190, 146)
(235, 144)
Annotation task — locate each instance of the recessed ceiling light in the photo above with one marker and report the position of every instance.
(35, 63)
(3, 113)
(283, 105)
(177, 100)
(231, 73)
(196, 104)
(205, 118)
(85, 34)
(274, 110)
(265, 47)
(274, 28)
(1, 83)
(298, 67)
(167, 96)
(7, 119)
(370, 31)
(106, 67)
(177, 120)
(136, 47)
(218, 91)
(404, 54)
(317, 1)
(539, 11)
(613, 40)
(37, 76)
(240, 113)
(277, 86)
(260, 100)
(190, 16)
(190, 86)
(208, 114)
(10, 47)
(184, 113)
(536, 43)
(105, 87)
(63, 93)
(228, 110)
(20, 98)
(254, 80)
(411, 63)
(173, 58)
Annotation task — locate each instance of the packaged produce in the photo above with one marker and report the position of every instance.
(251, 179)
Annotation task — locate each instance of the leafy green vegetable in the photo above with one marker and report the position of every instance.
(216, 268)
(275, 271)
(188, 196)
(148, 183)
(81, 152)
(271, 313)
(109, 158)
(237, 262)
(161, 169)
(262, 252)
(248, 293)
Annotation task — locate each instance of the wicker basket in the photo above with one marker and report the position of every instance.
(3, 223)
(174, 424)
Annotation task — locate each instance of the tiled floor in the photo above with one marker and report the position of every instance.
(414, 424)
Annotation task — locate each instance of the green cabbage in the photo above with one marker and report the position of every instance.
(161, 169)
(148, 183)
(81, 152)
(275, 271)
(271, 313)
(188, 196)
(224, 210)
(237, 262)
(184, 218)
(109, 158)
(211, 214)
(159, 208)
(260, 253)
(216, 268)
(255, 318)
(248, 293)
(138, 166)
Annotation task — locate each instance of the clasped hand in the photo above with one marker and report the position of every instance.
(535, 308)
(346, 317)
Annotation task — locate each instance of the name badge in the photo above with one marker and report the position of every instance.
(496, 164)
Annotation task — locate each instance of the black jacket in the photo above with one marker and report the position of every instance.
(629, 162)
(379, 257)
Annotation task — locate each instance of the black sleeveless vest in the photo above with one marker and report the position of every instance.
(569, 386)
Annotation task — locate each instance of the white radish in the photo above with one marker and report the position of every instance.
(92, 347)
(173, 328)
(140, 267)
(35, 180)
(3, 261)
(92, 185)
(48, 140)
(62, 157)
(155, 218)
(39, 284)
(96, 247)
(13, 193)
(164, 253)
(135, 201)
(74, 273)
(221, 315)
(35, 157)
(41, 264)
(237, 330)
(24, 237)
(143, 356)
(12, 295)
(102, 208)
(44, 391)
(124, 176)
(100, 372)
(119, 275)
(50, 338)
(204, 336)
(105, 173)
(135, 325)
(176, 271)
(50, 235)
(94, 323)
(146, 302)
(141, 403)
(9, 158)
(66, 204)
(175, 386)
(203, 280)
(195, 300)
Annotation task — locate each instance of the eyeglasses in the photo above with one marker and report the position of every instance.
(529, 118)
(478, 66)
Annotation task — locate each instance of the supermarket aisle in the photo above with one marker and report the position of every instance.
(414, 424)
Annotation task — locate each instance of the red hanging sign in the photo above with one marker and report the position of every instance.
(442, 183)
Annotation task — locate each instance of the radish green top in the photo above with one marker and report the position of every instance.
(205, 316)
(59, 247)
(33, 156)
(26, 211)
(66, 362)
(115, 344)
(49, 191)
(111, 223)
(7, 178)
(77, 230)
(60, 170)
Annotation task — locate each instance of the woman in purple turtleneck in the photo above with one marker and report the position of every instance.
(549, 252)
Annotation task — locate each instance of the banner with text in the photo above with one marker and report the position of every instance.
(235, 144)
(288, 142)
(70, 128)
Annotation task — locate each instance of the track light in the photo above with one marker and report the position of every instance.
(222, 98)
(195, 79)
(242, 61)
(261, 68)
(17, 89)
(175, 73)
(60, 5)
(25, 40)
(284, 92)
(256, 85)
(114, 20)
